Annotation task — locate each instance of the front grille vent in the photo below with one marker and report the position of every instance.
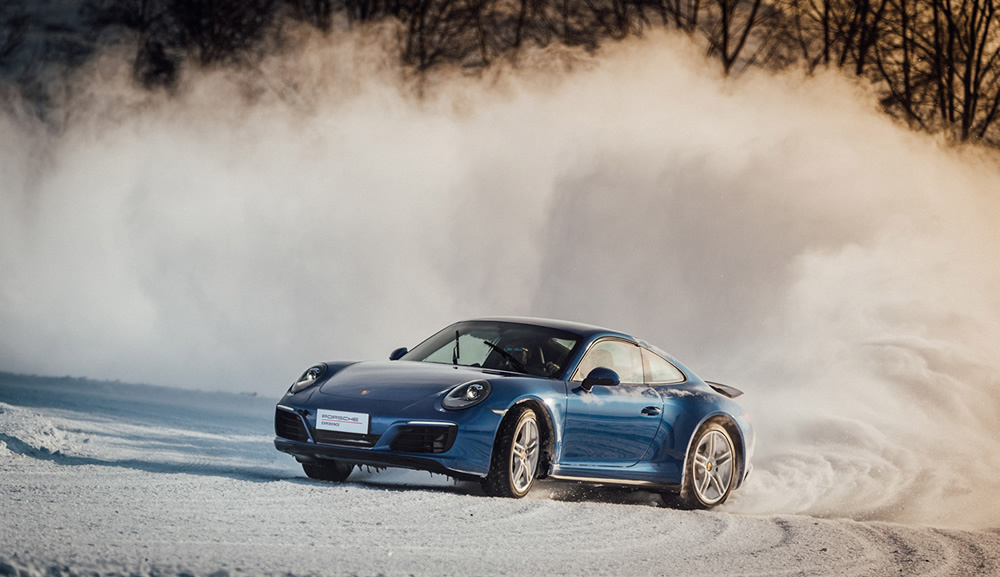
(418, 439)
(349, 439)
(289, 426)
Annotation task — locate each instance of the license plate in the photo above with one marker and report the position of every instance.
(342, 421)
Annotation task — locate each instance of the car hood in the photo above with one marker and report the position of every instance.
(399, 380)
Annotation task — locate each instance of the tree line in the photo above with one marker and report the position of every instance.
(936, 63)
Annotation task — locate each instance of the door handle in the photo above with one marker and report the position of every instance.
(651, 411)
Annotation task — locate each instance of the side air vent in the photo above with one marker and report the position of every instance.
(424, 439)
(289, 426)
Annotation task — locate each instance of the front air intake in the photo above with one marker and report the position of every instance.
(424, 439)
(289, 426)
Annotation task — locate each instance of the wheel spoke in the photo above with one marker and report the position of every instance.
(518, 473)
(705, 483)
(530, 437)
(524, 455)
(718, 485)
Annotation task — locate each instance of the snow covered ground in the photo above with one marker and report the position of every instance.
(106, 478)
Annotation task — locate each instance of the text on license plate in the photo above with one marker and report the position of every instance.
(342, 421)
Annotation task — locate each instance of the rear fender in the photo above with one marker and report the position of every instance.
(735, 432)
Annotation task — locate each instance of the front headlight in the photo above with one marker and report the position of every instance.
(309, 378)
(466, 395)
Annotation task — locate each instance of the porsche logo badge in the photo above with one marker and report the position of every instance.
(365, 392)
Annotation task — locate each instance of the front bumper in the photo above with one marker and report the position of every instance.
(460, 447)
(311, 452)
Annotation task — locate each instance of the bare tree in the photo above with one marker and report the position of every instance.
(532, 23)
(936, 62)
(157, 53)
(684, 13)
(967, 47)
(318, 13)
(11, 38)
(732, 26)
(614, 19)
(840, 33)
(223, 31)
(13, 28)
(940, 63)
(431, 32)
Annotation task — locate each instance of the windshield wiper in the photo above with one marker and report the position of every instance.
(455, 352)
(510, 358)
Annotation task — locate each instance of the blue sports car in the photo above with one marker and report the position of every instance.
(505, 401)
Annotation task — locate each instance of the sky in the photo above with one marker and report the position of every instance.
(776, 232)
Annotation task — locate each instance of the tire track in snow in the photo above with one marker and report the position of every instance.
(75, 440)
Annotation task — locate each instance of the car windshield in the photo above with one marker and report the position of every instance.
(505, 346)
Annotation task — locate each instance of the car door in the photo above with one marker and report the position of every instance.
(610, 426)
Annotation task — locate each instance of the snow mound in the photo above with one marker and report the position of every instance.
(23, 432)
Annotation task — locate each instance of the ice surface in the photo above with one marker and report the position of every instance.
(111, 479)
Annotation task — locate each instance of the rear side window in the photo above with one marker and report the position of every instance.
(659, 370)
(619, 356)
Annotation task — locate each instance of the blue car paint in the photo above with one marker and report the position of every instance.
(686, 407)
(601, 429)
(616, 445)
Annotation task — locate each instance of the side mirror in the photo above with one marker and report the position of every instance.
(398, 353)
(600, 377)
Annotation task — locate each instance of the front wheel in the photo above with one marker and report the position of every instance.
(514, 464)
(710, 469)
(328, 471)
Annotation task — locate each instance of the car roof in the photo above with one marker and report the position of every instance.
(589, 333)
(584, 330)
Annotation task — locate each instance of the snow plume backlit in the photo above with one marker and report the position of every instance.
(776, 233)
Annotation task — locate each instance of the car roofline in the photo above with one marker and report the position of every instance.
(584, 330)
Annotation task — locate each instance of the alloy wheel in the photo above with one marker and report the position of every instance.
(713, 467)
(524, 455)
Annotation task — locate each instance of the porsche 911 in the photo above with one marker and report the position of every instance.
(507, 401)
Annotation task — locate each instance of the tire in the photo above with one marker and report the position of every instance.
(328, 471)
(710, 470)
(516, 454)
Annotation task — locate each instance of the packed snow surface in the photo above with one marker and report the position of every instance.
(113, 479)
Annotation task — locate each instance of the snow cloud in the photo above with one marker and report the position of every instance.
(777, 233)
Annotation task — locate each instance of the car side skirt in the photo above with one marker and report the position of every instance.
(624, 482)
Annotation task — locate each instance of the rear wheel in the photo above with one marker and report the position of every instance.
(328, 471)
(514, 464)
(710, 469)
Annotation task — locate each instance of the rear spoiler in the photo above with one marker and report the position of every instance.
(725, 390)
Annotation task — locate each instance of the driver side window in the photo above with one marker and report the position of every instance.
(621, 357)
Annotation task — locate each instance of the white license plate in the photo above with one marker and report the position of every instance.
(342, 421)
